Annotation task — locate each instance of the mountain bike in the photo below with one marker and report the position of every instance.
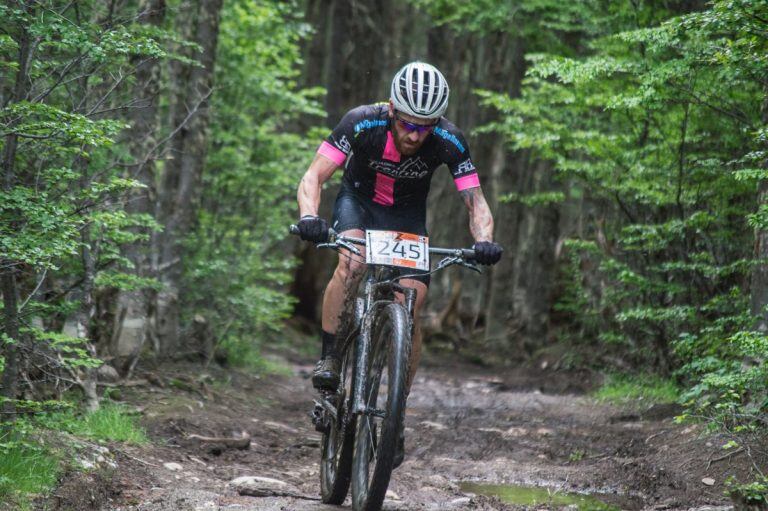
(361, 420)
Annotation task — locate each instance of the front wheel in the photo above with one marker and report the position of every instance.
(377, 429)
(338, 440)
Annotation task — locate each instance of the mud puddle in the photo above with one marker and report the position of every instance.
(552, 497)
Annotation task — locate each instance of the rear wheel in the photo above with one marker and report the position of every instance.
(377, 430)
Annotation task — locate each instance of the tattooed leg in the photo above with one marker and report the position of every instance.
(340, 292)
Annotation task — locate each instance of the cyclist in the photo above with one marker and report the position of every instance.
(389, 152)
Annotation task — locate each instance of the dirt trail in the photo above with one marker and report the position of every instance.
(462, 424)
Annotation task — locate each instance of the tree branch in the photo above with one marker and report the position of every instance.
(34, 291)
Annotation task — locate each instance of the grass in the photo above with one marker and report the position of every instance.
(111, 422)
(577, 455)
(621, 389)
(29, 466)
(26, 469)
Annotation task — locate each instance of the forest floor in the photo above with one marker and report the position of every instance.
(464, 424)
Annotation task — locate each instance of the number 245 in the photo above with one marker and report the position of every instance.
(414, 251)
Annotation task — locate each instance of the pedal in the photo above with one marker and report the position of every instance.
(319, 418)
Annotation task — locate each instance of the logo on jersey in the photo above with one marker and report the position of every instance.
(449, 137)
(343, 144)
(369, 123)
(412, 168)
(465, 167)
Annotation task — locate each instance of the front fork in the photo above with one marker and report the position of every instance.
(366, 331)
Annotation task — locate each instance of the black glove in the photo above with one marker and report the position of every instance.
(313, 228)
(487, 252)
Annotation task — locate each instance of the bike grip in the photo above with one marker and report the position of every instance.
(468, 253)
(293, 229)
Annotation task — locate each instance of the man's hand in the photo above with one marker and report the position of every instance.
(487, 252)
(313, 228)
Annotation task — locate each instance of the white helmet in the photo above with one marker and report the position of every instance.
(420, 90)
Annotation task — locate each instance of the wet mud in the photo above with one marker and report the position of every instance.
(464, 424)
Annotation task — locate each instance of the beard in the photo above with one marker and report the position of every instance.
(403, 146)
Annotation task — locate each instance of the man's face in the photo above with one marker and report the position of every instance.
(408, 141)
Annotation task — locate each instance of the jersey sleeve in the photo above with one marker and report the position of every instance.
(456, 156)
(338, 145)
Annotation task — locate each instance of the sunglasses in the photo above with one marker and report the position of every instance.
(411, 127)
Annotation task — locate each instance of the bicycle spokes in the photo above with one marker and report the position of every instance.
(338, 437)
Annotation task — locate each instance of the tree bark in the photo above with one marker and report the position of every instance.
(10, 351)
(132, 311)
(7, 266)
(87, 376)
(180, 189)
(759, 284)
(534, 265)
(80, 325)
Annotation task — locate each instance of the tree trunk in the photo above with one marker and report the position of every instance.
(180, 189)
(498, 310)
(80, 325)
(759, 284)
(534, 264)
(11, 331)
(8, 267)
(132, 310)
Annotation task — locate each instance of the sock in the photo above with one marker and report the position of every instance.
(329, 344)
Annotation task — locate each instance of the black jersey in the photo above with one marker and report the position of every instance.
(373, 168)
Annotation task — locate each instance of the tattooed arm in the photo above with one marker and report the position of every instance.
(308, 195)
(480, 218)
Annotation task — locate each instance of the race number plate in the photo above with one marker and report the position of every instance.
(397, 249)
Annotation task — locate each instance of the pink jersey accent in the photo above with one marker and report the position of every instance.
(470, 181)
(329, 151)
(384, 190)
(390, 150)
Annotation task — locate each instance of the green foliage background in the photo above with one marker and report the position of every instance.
(654, 117)
(67, 191)
(239, 264)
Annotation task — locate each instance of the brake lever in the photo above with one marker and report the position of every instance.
(471, 266)
(340, 244)
(447, 261)
(349, 246)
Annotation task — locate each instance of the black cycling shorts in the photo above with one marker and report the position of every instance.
(354, 212)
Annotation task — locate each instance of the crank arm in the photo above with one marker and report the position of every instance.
(328, 407)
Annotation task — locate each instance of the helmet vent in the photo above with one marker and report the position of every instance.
(420, 90)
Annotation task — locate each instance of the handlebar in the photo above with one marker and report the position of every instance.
(333, 237)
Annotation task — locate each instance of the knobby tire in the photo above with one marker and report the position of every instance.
(376, 438)
(338, 442)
